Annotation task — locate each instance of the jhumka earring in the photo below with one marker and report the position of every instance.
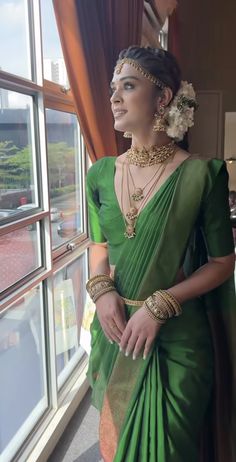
(127, 135)
(159, 122)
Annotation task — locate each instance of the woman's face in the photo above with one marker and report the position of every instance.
(133, 101)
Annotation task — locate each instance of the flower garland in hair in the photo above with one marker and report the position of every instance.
(180, 115)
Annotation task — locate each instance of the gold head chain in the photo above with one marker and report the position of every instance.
(138, 67)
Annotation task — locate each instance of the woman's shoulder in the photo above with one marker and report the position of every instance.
(206, 172)
(207, 164)
(100, 165)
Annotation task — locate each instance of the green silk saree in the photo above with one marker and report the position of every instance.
(158, 410)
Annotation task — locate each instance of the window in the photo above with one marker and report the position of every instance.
(23, 385)
(43, 232)
(65, 146)
(14, 34)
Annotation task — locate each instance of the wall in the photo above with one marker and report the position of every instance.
(207, 43)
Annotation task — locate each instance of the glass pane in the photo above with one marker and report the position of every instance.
(69, 300)
(53, 61)
(18, 183)
(14, 38)
(20, 254)
(23, 389)
(64, 175)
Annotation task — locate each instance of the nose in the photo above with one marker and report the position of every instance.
(116, 96)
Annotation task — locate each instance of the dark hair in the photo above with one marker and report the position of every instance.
(160, 63)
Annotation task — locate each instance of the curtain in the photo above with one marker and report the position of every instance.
(92, 34)
(174, 36)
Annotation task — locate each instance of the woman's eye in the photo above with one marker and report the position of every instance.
(128, 85)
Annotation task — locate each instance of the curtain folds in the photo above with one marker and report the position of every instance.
(92, 34)
(174, 35)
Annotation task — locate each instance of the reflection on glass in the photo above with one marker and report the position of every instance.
(53, 61)
(69, 299)
(14, 38)
(64, 175)
(23, 388)
(18, 185)
(19, 254)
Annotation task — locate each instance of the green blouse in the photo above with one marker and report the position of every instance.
(107, 223)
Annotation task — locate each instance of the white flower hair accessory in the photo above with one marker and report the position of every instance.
(179, 117)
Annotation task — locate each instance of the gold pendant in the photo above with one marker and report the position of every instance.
(132, 214)
(129, 231)
(137, 195)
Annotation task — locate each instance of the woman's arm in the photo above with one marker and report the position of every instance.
(141, 330)
(206, 278)
(98, 259)
(109, 306)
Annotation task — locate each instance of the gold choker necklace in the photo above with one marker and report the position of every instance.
(143, 157)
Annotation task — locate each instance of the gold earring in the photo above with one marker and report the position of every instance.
(159, 120)
(127, 135)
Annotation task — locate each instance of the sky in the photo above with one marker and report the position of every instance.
(14, 43)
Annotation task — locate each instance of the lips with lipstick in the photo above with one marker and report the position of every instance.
(119, 113)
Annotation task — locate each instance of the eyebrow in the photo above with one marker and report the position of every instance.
(126, 77)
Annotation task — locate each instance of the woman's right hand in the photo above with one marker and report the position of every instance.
(111, 315)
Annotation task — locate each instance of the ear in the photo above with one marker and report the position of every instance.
(165, 97)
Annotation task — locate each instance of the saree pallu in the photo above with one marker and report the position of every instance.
(154, 410)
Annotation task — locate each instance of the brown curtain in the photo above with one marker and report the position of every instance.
(174, 35)
(92, 34)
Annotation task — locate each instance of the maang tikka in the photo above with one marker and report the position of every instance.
(159, 120)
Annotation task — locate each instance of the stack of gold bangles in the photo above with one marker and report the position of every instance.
(99, 285)
(162, 305)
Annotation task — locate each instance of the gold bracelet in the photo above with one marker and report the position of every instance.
(173, 302)
(155, 318)
(98, 278)
(98, 285)
(165, 303)
(102, 292)
(171, 305)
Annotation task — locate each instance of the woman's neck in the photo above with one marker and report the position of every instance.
(155, 139)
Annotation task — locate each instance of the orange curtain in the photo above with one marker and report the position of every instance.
(92, 34)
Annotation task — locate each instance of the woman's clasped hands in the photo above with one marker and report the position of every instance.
(134, 336)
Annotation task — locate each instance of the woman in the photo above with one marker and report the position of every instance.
(154, 213)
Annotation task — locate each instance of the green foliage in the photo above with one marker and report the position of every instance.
(15, 170)
(16, 167)
(7, 148)
(61, 165)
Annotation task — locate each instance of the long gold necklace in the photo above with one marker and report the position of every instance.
(144, 157)
(138, 193)
(130, 218)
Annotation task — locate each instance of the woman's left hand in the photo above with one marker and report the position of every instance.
(139, 334)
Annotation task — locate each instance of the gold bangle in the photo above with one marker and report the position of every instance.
(171, 305)
(98, 278)
(155, 318)
(102, 292)
(173, 302)
(98, 285)
(165, 304)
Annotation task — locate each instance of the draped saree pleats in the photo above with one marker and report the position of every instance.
(153, 410)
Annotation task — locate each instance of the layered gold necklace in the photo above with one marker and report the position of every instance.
(146, 157)
(139, 195)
